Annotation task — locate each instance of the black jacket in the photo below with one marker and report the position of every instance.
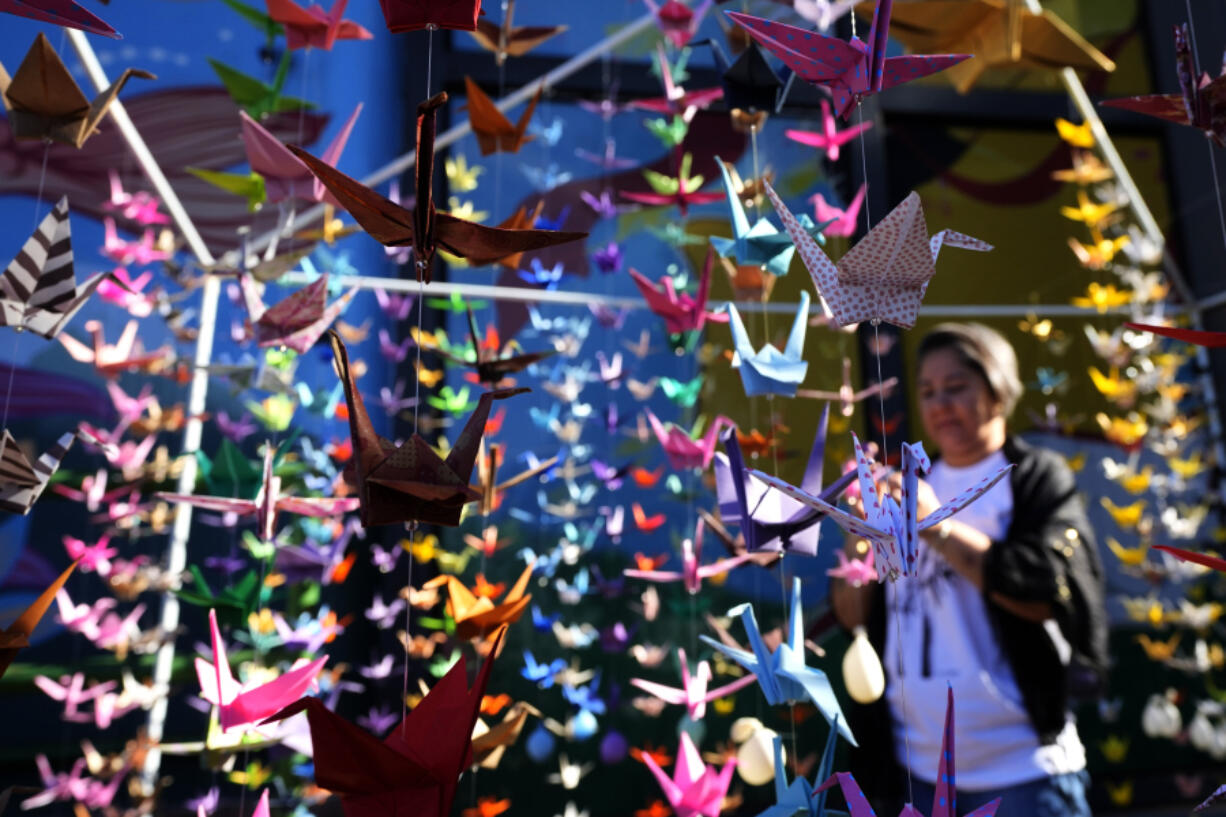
(1048, 555)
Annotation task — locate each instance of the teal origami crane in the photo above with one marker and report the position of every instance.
(763, 244)
(783, 675)
(799, 797)
(768, 370)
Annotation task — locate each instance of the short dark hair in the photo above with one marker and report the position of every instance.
(985, 351)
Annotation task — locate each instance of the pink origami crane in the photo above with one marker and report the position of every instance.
(692, 570)
(298, 321)
(110, 359)
(944, 799)
(71, 691)
(61, 13)
(121, 251)
(677, 21)
(694, 693)
(141, 207)
(682, 450)
(82, 618)
(312, 27)
(885, 275)
(92, 558)
(891, 526)
(676, 100)
(124, 291)
(241, 704)
(681, 312)
(850, 70)
(130, 409)
(72, 787)
(268, 502)
(285, 177)
(855, 572)
(694, 788)
(93, 491)
(829, 138)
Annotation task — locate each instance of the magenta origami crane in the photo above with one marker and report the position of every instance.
(285, 176)
(677, 21)
(61, 13)
(268, 502)
(850, 70)
(1201, 103)
(72, 787)
(681, 312)
(299, 320)
(676, 100)
(944, 799)
(855, 572)
(313, 27)
(682, 450)
(885, 275)
(844, 220)
(692, 570)
(694, 694)
(829, 138)
(694, 788)
(242, 704)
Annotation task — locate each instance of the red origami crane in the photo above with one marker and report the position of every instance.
(414, 15)
(677, 21)
(410, 481)
(299, 320)
(1200, 103)
(681, 312)
(313, 27)
(415, 770)
(423, 227)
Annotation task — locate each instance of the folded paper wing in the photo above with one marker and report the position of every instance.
(415, 770)
(16, 636)
(1210, 340)
(61, 13)
(286, 176)
(415, 15)
(494, 132)
(410, 481)
(22, 482)
(43, 101)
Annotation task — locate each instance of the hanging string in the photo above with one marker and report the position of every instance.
(1217, 188)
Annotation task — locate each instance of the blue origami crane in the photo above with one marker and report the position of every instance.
(768, 370)
(763, 244)
(783, 675)
(798, 797)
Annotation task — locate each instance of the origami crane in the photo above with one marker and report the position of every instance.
(1000, 33)
(768, 370)
(491, 365)
(682, 450)
(299, 320)
(415, 15)
(88, 792)
(944, 799)
(694, 694)
(490, 743)
(783, 674)
(799, 797)
(43, 101)
(488, 460)
(692, 570)
(253, 95)
(851, 70)
(477, 616)
(694, 787)
(423, 227)
(268, 502)
(680, 190)
(829, 138)
(23, 482)
(847, 396)
(313, 27)
(410, 481)
(415, 770)
(749, 82)
(681, 312)
(1196, 337)
(676, 20)
(61, 13)
(855, 572)
(508, 40)
(286, 177)
(1201, 102)
(771, 520)
(763, 244)
(885, 275)
(840, 223)
(891, 526)
(494, 132)
(243, 704)
(38, 290)
(16, 636)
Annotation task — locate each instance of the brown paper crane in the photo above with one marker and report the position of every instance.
(508, 40)
(423, 227)
(43, 101)
(494, 132)
(410, 482)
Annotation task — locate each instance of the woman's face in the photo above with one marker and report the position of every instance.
(958, 410)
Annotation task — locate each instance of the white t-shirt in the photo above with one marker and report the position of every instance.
(942, 622)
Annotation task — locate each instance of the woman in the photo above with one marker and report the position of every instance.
(1005, 606)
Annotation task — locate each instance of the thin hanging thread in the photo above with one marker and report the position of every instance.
(1208, 145)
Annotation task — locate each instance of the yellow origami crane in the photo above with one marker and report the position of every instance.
(1127, 516)
(1121, 391)
(1079, 136)
(1102, 298)
(477, 617)
(1089, 212)
(1087, 169)
(1159, 650)
(1130, 557)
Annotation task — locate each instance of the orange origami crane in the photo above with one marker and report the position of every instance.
(494, 131)
(476, 616)
(17, 635)
(491, 742)
(406, 482)
(415, 770)
(509, 40)
(423, 227)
